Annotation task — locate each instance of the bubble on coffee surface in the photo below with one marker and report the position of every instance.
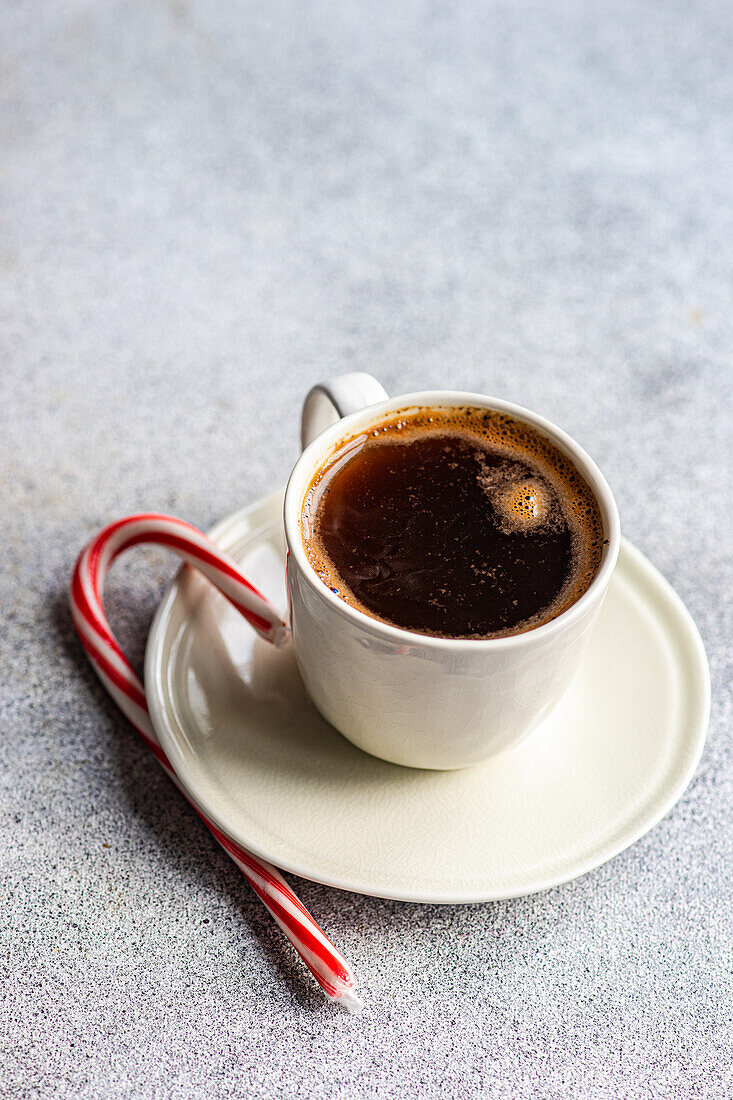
(525, 505)
(532, 486)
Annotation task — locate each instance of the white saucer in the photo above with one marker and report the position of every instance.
(251, 749)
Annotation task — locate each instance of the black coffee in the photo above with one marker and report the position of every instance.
(461, 523)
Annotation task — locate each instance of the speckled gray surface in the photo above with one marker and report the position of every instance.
(205, 208)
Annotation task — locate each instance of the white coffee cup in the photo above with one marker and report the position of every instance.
(410, 698)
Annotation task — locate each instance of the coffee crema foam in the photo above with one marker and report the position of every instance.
(533, 490)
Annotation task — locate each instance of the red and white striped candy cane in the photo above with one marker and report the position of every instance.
(327, 965)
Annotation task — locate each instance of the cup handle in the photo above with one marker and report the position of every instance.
(328, 401)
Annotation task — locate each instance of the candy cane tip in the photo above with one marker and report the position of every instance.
(280, 635)
(349, 1000)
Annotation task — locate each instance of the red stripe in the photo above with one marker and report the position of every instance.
(213, 556)
(96, 622)
(277, 909)
(100, 624)
(325, 952)
(313, 944)
(94, 551)
(246, 858)
(307, 939)
(152, 745)
(113, 674)
(155, 749)
(131, 692)
(233, 848)
(321, 949)
(142, 517)
(176, 542)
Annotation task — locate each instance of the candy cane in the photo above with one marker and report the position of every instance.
(327, 965)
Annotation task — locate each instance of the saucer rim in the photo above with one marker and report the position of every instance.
(699, 695)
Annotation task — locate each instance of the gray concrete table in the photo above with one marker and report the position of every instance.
(206, 208)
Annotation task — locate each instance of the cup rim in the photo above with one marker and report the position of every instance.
(313, 455)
